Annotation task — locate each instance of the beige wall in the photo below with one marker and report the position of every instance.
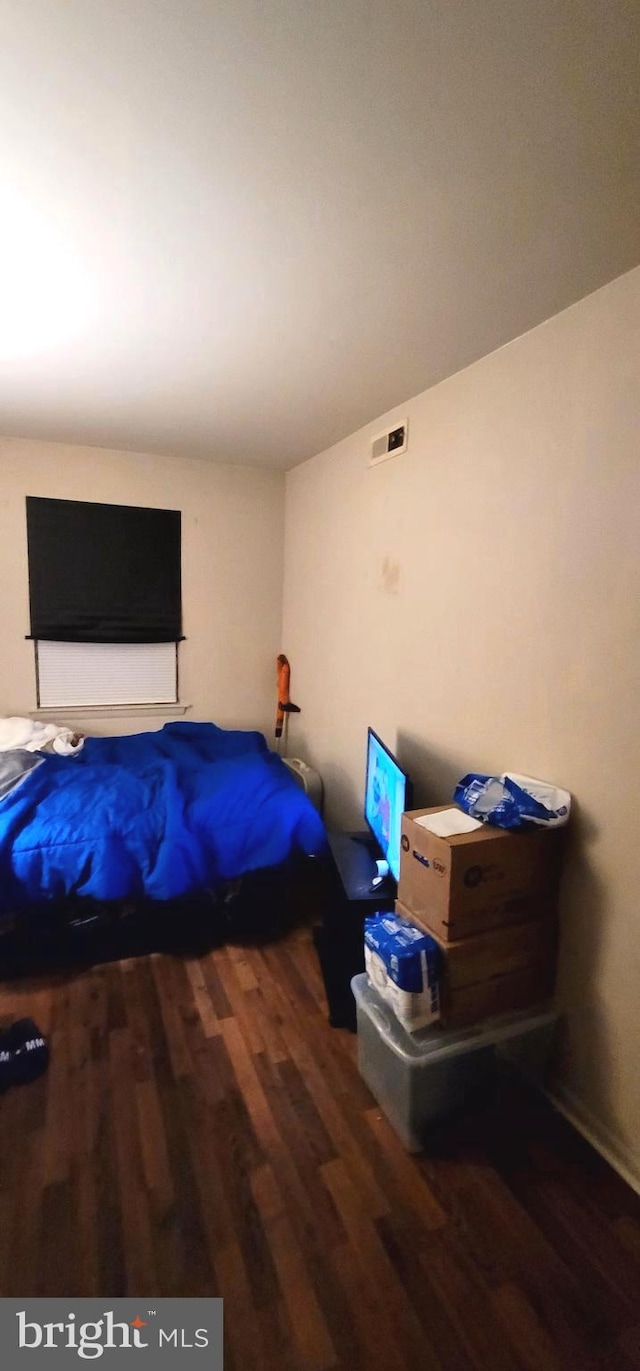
(476, 601)
(232, 539)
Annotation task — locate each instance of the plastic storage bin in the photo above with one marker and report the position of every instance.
(422, 1077)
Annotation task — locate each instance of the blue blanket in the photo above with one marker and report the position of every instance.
(154, 815)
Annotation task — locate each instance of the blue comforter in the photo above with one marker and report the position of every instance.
(155, 814)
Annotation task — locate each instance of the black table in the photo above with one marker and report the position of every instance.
(349, 898)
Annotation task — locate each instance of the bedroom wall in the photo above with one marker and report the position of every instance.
(232, 551)
(476, 602)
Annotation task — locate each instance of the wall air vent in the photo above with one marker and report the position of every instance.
(392, 443)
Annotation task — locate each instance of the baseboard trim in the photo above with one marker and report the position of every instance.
(596, 1133)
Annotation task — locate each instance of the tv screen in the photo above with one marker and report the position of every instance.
(385, 800)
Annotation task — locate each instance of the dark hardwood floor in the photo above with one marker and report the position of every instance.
(202, 1130)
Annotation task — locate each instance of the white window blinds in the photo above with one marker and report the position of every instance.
(106, 674)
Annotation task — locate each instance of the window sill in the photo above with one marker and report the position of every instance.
(107, 711)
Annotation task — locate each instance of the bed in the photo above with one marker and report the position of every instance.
(153, 818)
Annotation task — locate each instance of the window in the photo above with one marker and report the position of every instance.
(105, 595)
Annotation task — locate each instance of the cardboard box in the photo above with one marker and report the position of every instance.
(469, 1004)
(499, 952)
(496, 972)
(473, 882)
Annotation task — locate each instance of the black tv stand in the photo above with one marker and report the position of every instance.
(350, 897)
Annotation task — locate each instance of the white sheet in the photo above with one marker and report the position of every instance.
(30, 735)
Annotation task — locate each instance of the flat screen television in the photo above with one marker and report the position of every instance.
(386, 796)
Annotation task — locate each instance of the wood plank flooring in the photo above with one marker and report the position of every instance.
(202, 1130)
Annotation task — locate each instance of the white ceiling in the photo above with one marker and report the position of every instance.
(239, 229)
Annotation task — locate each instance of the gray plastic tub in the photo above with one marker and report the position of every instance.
(422, 1077)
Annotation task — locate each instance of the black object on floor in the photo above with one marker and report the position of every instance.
(24, 1054)
(341, 958)
(349, 898)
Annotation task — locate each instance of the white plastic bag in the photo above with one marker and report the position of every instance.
(557, 802)
(512, 800)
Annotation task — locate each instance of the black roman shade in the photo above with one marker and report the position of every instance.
(104, 573)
